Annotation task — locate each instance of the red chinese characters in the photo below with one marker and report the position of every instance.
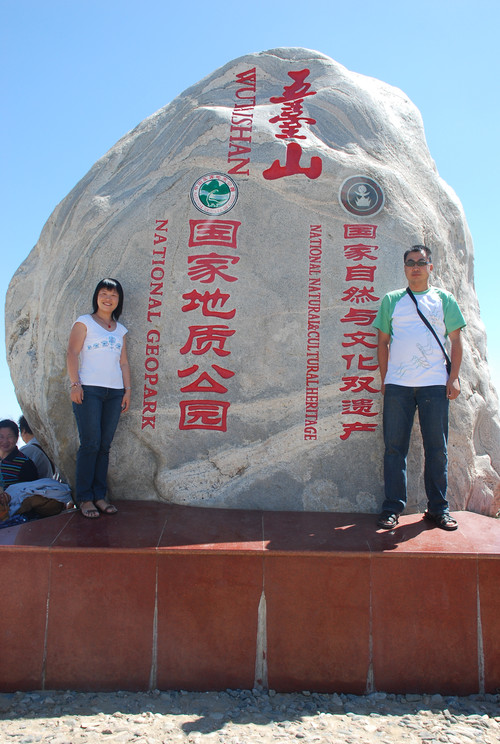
(203, 414)
(208, 339)
(213, 232)
(208, 302)
(207, 267)
(359, 344)
(290, 122)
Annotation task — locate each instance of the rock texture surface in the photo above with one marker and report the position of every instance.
(254, 223)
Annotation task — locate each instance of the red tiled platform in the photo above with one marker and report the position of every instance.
(164, 596)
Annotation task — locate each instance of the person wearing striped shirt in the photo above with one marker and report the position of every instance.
(14, 465)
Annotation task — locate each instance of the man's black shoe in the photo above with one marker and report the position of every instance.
(387, 520)
(444, 521)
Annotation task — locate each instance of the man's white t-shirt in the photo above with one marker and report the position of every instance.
(415, 359)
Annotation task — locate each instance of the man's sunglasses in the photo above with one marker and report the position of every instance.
(420, 262)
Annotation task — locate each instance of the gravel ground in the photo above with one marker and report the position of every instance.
(245, 717)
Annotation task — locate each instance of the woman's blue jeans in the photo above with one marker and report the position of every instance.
(399, 410)
(96, 418)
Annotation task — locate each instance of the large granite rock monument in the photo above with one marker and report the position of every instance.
(255, 222)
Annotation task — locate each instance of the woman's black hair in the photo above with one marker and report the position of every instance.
(9, 424)
(109, 284)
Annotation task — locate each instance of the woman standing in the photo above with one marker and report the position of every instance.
(100, 391)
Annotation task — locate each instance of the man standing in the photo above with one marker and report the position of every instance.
(414, 375)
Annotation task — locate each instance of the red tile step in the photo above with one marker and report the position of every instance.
(176, 597)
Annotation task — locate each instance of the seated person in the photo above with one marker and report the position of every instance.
(4, 501)
(34, 451)
(22, 492)
(15, 466)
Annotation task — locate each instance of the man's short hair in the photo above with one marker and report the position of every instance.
(24, 426)
(8, 424)
(421, 249)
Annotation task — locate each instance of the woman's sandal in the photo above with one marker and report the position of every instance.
(107, 508)
(89, 512)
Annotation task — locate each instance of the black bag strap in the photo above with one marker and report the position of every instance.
(431, 329)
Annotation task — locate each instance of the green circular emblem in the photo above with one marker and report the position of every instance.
(214, 193)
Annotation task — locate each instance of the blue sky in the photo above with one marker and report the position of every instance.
(78, 75)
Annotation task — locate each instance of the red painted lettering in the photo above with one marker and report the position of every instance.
(148, 421)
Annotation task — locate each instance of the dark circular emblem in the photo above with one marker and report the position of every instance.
(214, 193)
(361, 196)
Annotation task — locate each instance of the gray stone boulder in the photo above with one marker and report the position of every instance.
(255, 222)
